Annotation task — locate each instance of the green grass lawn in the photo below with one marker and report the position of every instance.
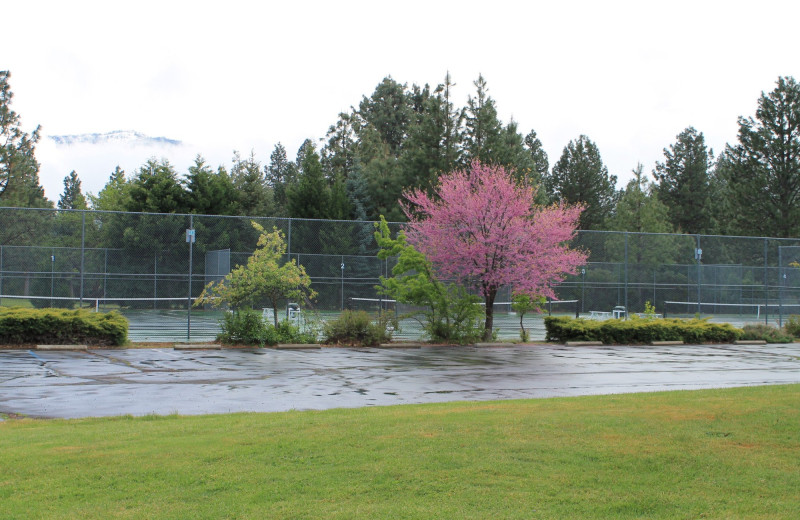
(703, 454)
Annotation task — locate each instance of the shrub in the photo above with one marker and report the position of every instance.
(792, 326)
(357, 328)
(247, 327)
(768, 333)
(638, 331)
(62, 327)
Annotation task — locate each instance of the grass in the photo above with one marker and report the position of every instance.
(731, 453)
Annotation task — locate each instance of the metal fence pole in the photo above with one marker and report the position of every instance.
(83, 253)
(626, 275)
(766, 286)
(190, 238)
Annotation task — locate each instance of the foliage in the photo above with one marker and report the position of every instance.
(768, 333)
(792, 326)
(762, 170)
(61, 327)
(358, 328)
(522, 304)
(247, 327)
(639, 331)
(683, 182)
(265, 276)
(649, 310)
(480, 227)
(72, 197)
(580, 177)
(450, 312)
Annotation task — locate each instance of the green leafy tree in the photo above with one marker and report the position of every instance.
(266, 276)
(763, 168)
(683, 182)
(450, 312)
(580, 177)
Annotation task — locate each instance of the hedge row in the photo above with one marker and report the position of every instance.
(61, 327)
(639, 331)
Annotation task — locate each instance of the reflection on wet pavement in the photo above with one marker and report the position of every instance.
(163, 381)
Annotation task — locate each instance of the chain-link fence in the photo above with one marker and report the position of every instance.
(150, 268)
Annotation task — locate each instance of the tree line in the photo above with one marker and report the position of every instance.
(401, 138)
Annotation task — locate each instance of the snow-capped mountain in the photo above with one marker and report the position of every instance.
(128, 137)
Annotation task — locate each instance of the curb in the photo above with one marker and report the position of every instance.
(584, 343)
(297, 346)
(749, 342)
(666, 343)
(199, 346)
(399, 345)
(61, 347)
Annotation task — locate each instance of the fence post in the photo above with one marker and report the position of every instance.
(626, 275)
(190, 238)
(766, 285)
(83, 253)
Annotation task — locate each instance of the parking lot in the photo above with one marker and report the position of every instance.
(163, 381)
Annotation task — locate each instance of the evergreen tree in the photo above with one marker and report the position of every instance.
(255, 196)
(339, 153)
(209, 192)
(763, 169)
(639, 209)
(483, 137)
(72, 197)
(580, 177)
(683, 182)
(156, 189)
(280, 174)
(114, 195)
(310, 197)
(19, 169)
(539, 161)
(388, 111)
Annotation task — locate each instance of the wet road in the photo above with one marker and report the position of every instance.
(164, 381)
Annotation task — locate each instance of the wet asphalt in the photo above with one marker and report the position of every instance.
(164, 381)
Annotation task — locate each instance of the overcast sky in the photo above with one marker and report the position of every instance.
(224, 76)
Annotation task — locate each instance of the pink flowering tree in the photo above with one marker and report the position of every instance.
(482, 228)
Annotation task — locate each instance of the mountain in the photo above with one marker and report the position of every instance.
(117, 137)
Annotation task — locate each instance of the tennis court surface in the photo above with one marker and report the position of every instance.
(164, 381)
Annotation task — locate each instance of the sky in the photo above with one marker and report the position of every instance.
(225, 76)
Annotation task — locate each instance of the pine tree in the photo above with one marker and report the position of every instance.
(763, 169)
(209, 192)
(156, 189)
(72, 197)
(310, 197)
(483, 135)
(280, 174)
(249, 180)
(580, 177)
(114, 195)
(683, 182)
(19, 169)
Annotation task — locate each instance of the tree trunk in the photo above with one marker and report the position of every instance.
(488, 325)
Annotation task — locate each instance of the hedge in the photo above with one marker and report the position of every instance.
(61, 327)
(639, 330)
